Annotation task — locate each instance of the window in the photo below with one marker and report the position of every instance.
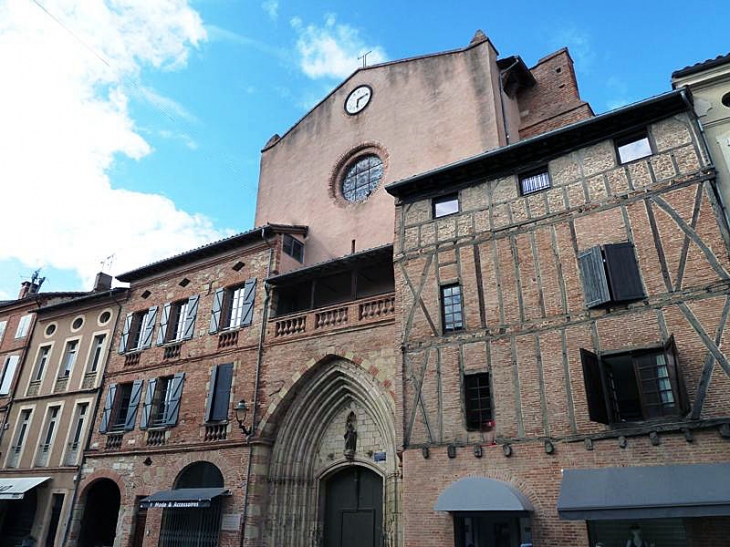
(3, 324)
(610, 275)
(178, 321)
(477, 401)
(362, 178)
(56, 506)
(44, 450)
(69, 359)
(452, 315)
(78, 427)
(97, 352)
(233, 307)
(17, 447)
(8, 374)
(77, 324)
(162, 401)
(294, 248)
(445, 205)
(23, 326)
(137, 331)
(50, 329)
(120, 407)
(633, 147)
(534, 181)
(635, 385)
(219, 394)
(40, 364)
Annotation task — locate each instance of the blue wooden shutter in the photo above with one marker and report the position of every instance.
(215, 314)
(125, 333)
(623, 272)
(164, 322)
(220, 393)
(595, 285)
(249, 294)
(147, 406)
(149, 327)
(133, 404)
(173, 408)
(108, 406)
(189, 329)
(593, 380)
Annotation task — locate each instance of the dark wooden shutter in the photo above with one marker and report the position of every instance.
(108, 406)
(595, 286)
(133, 404)
(623, 272)
(125, 333)
(147, 406)
(675, 375)
(222, 392)
(189, 330)
(249, 294)
(164, 322)
(149, 328)
(211, 394)
(593, 379)
(173, 408)
(215, 314)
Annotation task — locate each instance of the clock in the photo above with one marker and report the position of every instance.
(358, 99)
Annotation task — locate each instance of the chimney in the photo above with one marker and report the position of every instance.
(27, 289)
(103, 282)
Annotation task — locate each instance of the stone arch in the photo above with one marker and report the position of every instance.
(309, 423)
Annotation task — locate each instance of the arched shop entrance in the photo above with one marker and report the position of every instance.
(192, 509)
(353, 508)
(99, 523)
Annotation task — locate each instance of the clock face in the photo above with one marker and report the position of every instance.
(358, 99)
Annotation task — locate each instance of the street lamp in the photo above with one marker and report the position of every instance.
(241, 410)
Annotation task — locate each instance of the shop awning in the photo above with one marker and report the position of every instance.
(663, 491)
(15, 489)
(183, 498)
(482, 494)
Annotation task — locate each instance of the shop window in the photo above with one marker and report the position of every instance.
(120, 406)
(54, 518)
(216, 409)
(534, 181)
(178, 320)
(294, 248)
(233, 307)
(452, 314)
(162, 401)
(445, 205)
(633, 147)
(137, 330)
(610, 275)
(634, 386)
(477, 401)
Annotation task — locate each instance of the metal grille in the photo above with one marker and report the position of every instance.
(534, 182)
(191, 527)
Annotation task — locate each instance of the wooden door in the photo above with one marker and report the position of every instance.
(354, 509)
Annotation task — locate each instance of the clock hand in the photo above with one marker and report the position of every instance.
(357, 102)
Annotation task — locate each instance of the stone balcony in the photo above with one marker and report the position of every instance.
(332, 318)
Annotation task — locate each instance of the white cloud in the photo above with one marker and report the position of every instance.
(271, 7)
(218, 34)
(579, 43)
(167, 106)
(65, 119)
(332, 50)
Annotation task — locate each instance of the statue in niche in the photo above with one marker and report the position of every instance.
(350, 437)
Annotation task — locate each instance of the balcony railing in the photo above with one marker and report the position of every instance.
(172, 352)
(33, 388)
(114, 441)
(131, 359)
(61, 384)
(72, 453)
(228, 339)
(216, 432)
(350, 314)
(14, 456)
(44, 452)
(156, 437)
(89, 380)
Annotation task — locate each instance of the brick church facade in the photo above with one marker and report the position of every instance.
(473, 314)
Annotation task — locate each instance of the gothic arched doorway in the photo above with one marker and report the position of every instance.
(353, 508)
(99, 524)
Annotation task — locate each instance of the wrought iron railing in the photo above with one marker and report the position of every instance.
(14, 455)
(44, 452)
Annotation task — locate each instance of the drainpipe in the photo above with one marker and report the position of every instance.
(77, 479)
(501, 101)
(257, 381)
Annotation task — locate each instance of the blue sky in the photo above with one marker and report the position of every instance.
(133, 131)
